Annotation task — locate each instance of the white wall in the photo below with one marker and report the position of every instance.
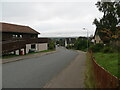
(97, 39)
(22, 50)
(28, 46)
(65, 42)
(17, 52)
(41, 46)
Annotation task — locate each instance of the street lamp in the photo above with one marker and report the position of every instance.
(87, 37)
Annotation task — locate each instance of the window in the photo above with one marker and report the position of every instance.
(16, 35)
(13, 35)
(33, 46)
(33, 36)
(20, 36)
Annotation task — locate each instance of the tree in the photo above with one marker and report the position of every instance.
(110, 19)
(51, 45)
(80, 44)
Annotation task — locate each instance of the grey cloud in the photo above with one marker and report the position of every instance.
(54, 17)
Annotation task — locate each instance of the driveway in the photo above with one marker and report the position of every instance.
(37, 71)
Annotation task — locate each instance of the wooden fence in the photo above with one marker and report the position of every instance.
(103, 78)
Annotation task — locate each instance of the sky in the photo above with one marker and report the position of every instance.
(53, 18)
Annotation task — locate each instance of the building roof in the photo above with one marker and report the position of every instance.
(6, 27)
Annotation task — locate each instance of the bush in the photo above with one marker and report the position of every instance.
(107, 49)
(97, 47)
(80, 44)
(51, 45)
(70, 46)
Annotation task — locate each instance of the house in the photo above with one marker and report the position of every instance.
(65, 41)
(19, 39)
(97, 39)
(70, 40)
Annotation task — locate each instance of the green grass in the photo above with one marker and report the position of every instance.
(89, 74)
(108, 61)
(39, 52)
(10, 56)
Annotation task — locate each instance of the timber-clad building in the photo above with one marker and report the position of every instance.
(19, 39)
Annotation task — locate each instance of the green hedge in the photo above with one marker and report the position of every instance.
(96, 47)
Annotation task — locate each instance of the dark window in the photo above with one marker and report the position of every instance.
(33, 46)
(33, 36)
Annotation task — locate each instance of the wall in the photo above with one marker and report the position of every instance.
(97, 39)
(17, 52)
(6, 36)
(23, 51)
(9, 35)
(41, 46)
(28, 46)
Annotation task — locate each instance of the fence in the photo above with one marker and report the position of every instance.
(103, 78)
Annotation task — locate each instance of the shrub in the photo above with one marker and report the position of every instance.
(70, 46)
(51, 45)
(107, 49)
(97, 47)
(80, 44)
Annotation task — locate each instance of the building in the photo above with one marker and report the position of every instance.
(19, 39)
(96, 39)
(65, 41)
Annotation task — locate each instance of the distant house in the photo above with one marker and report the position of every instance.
(96, 39)
(19, 39)
(64, 41)
(69, 41)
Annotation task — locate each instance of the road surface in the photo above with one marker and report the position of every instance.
(73, 76)
(36, 72)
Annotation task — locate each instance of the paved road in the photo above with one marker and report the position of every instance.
(73, 76)
(36, 72)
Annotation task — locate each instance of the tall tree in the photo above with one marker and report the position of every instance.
(106, 26)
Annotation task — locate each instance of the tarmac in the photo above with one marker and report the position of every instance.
(72, 76)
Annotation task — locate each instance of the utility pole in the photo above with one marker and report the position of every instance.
(87, 37)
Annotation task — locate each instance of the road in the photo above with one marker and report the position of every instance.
(73, 76)
(36, 72)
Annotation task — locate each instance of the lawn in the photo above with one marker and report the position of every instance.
(108, 61)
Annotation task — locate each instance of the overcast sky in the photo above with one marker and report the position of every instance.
(52, 19)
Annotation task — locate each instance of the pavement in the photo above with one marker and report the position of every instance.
(72, 76)
(17, 58)
(35, 72)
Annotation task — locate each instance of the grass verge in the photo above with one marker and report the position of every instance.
(89, 74)
(108, 61)
(40, 52)
(10, 56)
